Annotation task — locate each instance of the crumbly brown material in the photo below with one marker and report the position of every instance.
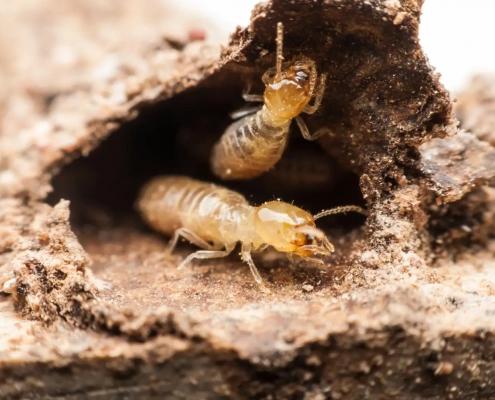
(109, 314)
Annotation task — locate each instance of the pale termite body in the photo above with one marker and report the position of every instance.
(215, 219)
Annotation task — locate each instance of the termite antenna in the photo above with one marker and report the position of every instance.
(339, 210)
(280, 42)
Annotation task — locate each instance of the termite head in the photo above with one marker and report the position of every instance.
(290, 90)
(289, 229)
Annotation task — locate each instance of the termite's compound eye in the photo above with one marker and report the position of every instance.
(283, 226)
(305, 239)
(300, 239)
(301, 76)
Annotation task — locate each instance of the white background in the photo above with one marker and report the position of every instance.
(457, 35)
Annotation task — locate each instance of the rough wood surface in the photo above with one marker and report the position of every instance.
(93, 308)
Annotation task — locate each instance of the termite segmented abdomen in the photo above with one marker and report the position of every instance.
(160, 201)
(168, 203)
(249, 147)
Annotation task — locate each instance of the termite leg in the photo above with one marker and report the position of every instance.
(320, 90)
(254, 98)
(290, 257)
(205, 254)
(305, 131)
(261, 248)
(244, 111)
(268, 74)
(246, 256)
(190, 236)
(315, 260)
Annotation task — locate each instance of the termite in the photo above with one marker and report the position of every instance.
(215, 219)
(255, 143)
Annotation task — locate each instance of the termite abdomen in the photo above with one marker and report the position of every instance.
(249, 147)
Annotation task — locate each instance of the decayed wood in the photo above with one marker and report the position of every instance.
(103, 313)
